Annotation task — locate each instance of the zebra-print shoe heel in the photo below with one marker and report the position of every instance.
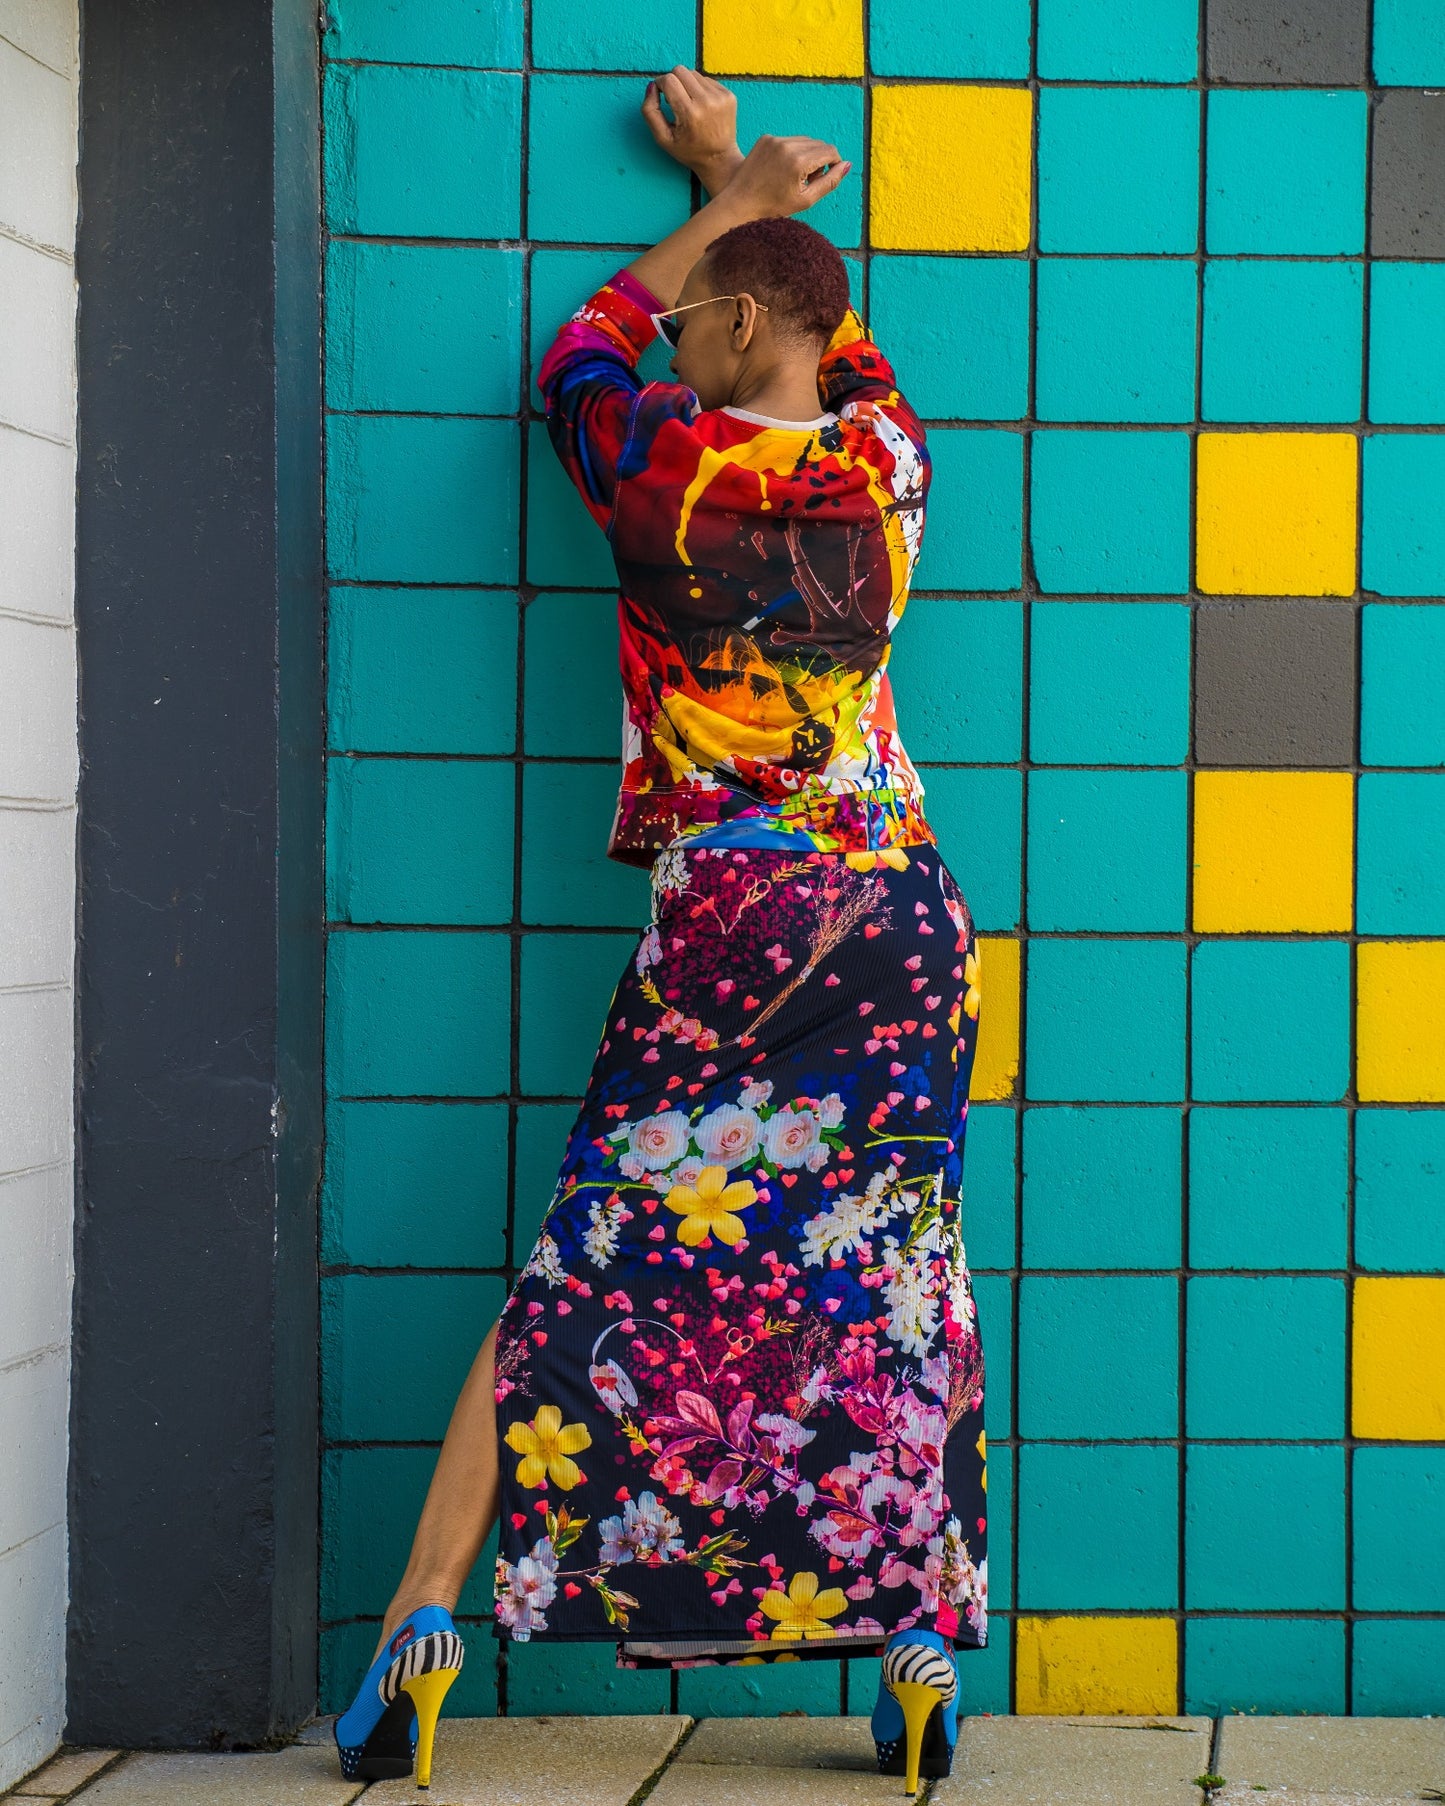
(392, 1721)
(915, 1721)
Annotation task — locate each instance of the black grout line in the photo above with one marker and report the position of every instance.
(1181, 1577)
(1147, 84)
(524, 454)
(1029, 590)
(594, 247)
(1220, 598)
(1183, 936)
(1020, 424)
(323, 265)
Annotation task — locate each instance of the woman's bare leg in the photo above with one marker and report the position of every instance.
(461, 1502)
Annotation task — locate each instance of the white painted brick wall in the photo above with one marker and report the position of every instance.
(37, 710)
(37, 480)
(38, 765)
(37, 195)
(35, 1232)
(37, 363)
(37, 856)
(32, 1605)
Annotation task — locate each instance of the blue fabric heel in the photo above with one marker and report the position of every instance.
(393, 1718)
(915, 1717)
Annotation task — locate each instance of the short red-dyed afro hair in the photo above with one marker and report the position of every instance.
(787, 265)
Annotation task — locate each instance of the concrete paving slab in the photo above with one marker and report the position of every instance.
(528, 1761)
(750, 1784)
(1077, 1761)
(291, 1777)
(319, 1731)
(1291, 1796)
(1360, 1758)
(832, 1743)
(63, 1774)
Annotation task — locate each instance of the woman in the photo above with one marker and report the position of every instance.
(732, 1410)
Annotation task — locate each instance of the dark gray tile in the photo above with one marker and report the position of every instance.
(1407, 183)
(1274, 683)
(1287, 41)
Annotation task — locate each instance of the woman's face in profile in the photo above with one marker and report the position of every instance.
(713, 339)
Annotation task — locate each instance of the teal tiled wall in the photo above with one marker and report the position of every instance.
(1173, 672)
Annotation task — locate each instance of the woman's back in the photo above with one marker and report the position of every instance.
(762, 567)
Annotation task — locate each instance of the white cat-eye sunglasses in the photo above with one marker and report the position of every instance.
(670, 329)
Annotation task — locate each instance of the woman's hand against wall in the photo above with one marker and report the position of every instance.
(782, 176)
(779, 176)
(702, 133)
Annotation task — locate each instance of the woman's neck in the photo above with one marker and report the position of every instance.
(785, 391)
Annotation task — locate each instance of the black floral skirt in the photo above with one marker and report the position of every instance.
(740, 1379)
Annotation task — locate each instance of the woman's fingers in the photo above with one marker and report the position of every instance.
(657, 122)
(788, 174)
(826, 156)
(807, 154)
(815, 152)
(820, 167)
(818, 186)
(703, 88)
(678, 97)
(695, 84)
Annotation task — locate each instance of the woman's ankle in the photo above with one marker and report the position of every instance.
(411, 1598)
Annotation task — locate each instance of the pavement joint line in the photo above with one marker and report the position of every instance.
(1216, 1736)
(64, 1749)
(1178, 1729)
(666, 1763)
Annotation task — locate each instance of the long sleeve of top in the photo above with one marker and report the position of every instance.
(762, 567)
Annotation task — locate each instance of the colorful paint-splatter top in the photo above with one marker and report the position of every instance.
(762, 568)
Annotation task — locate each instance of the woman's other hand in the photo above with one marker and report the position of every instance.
(783, 176)
(702, 133)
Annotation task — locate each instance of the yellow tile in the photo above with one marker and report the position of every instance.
(1273, 851)
(950, 168)
(1067, 1665)
(996, 1063)
(1399, 1359)
(1276, 514)
(782, 37)
(1400, 1026)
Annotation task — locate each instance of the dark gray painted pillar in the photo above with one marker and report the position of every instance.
(194, 1413)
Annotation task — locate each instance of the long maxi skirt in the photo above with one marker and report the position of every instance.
(740, 1379)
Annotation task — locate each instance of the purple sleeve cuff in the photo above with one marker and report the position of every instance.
(618, 321)
(637, 292)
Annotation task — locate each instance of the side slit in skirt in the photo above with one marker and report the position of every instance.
(740, 1378)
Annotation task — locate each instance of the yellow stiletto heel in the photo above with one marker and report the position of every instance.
(374, 1740)
(917, 1700)
(427, 1692)
(915, 1720)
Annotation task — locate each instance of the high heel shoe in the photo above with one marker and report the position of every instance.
(393, 1719)
(915, 1719)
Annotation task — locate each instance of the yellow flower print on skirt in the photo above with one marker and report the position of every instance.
(547, 1446)
(803, 1611)
(708, 1206)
